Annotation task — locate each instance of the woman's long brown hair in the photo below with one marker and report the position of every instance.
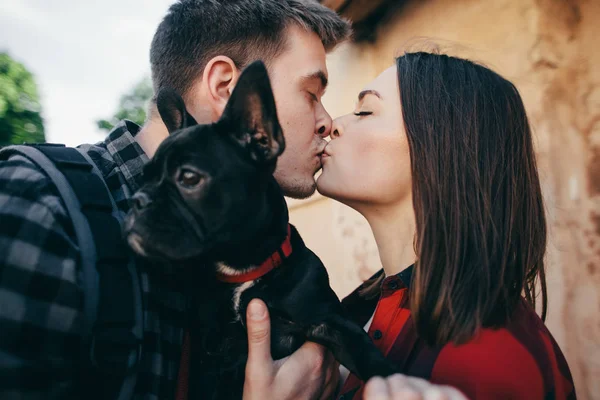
(480, 221)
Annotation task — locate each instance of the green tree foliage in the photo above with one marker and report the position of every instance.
(20, 109)
(132, 106)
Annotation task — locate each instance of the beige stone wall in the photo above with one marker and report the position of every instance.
(551, 50)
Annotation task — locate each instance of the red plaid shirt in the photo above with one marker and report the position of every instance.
(518, 361)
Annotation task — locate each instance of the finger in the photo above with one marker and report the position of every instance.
(436, 393)
(443, 393)
(334, 375)
(331, 366)
(427, 390)
(259, 339)
(377, 389)
(332, 378)
(430, 391)
(402, 388)
(308, 361)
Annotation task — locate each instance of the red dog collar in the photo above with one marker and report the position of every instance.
(274, 261)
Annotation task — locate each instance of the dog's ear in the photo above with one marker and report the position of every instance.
(251, 117)
(172, 110)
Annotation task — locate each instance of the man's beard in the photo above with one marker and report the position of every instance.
(299, 190)
(296, 187)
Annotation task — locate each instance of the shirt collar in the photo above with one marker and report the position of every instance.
(361, 308)
(127, 153)
(401, 280)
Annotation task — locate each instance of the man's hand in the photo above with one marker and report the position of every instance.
(310, 373)
(400, 387)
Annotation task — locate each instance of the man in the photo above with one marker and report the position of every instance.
(199, 49)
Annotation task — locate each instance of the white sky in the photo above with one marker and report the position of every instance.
(84, 55)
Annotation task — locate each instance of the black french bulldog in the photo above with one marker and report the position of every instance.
(211, 206)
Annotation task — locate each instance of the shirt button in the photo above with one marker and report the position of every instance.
(377, 334)
(393, 285)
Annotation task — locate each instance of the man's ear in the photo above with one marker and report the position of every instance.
(172, 110)
(250, 116)
(218, 80)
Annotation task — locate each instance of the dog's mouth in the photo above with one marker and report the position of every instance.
(164, 252)
(137, 240)
(136, 243)
(134, 239)
(164, 235)
(167, 249)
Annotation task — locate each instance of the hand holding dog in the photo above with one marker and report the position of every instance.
(310, 373)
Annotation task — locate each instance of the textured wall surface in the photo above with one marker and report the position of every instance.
(550, 50)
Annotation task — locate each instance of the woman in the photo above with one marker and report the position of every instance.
(444, 171)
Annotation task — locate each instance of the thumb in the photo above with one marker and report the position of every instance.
(259, 338)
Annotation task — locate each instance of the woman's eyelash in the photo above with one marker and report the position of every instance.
(313, 96)
(363, 113)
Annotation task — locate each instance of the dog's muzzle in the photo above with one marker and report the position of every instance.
(140, 201)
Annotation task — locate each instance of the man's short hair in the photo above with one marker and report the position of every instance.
(194, 31)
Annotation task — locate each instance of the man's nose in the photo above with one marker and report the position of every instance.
(324, 123)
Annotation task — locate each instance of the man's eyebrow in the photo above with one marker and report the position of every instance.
(317, 75)
(366, 92)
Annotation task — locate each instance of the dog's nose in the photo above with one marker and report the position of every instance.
(141, 201)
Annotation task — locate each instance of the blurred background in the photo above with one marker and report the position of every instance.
(70, 69)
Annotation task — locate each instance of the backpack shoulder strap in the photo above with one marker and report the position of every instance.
(112, 296)
(83, 234)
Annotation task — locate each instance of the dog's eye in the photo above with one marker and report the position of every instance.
(189, 178)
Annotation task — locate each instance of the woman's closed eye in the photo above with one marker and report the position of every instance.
(363, 113)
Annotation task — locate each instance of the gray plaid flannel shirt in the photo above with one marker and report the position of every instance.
(40, 293)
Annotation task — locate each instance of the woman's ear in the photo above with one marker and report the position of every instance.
(218, 80)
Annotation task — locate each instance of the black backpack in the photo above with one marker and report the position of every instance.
(113, 319)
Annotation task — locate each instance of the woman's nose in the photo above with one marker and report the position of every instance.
(336, 128)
